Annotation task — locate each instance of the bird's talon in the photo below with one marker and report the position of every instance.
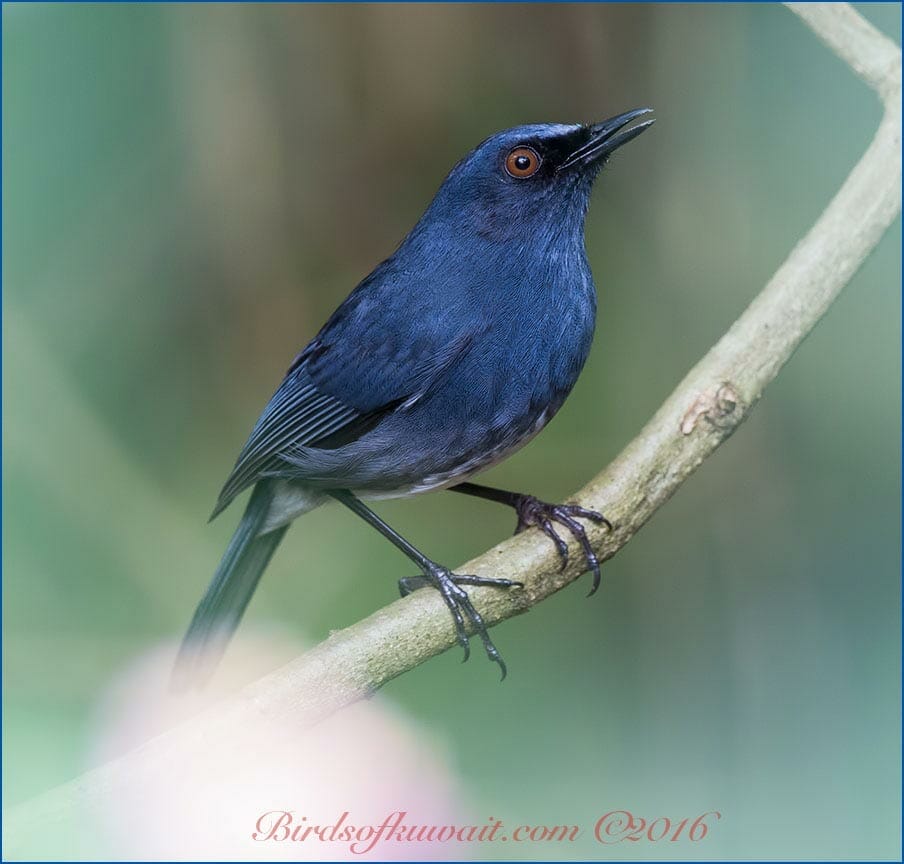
(459, 604)
(466, 648)
(535, 513)
(593, 516)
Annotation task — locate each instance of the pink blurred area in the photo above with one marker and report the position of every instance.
(207, 796)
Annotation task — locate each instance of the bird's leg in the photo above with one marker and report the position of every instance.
(444, 580)
(534, 512)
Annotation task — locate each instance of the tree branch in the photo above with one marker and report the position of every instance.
(705, 408)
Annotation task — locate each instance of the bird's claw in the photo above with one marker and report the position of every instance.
(456, 599)
(532, 512)
(408, 584)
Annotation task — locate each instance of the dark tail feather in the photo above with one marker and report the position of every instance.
(222, 606)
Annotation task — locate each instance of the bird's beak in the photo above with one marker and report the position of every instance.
(604, 140)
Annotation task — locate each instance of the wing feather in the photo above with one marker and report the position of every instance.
(369, 359)
(298, 414)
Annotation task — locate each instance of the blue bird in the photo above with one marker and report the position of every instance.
(450, 355)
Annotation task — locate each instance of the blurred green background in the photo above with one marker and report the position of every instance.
(188, 191)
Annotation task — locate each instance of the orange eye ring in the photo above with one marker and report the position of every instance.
(522, 162)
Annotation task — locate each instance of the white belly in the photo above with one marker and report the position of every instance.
(291, 500)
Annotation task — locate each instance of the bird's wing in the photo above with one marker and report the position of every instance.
(362, 365)
(297, 414)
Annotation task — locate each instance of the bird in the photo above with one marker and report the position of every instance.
(452, 354)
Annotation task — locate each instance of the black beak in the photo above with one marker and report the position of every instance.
(604, 140)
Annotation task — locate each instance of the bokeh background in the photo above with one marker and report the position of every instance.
(188, 191)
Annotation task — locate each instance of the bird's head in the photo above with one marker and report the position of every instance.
(532, 175)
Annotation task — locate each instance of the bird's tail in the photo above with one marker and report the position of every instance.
(223, 604)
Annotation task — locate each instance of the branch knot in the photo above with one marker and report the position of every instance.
(720, 406)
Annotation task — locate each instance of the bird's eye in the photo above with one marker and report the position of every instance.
(522, 162)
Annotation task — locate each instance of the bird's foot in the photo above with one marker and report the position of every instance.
(535, 513)
(407, 584)
(456, 598)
